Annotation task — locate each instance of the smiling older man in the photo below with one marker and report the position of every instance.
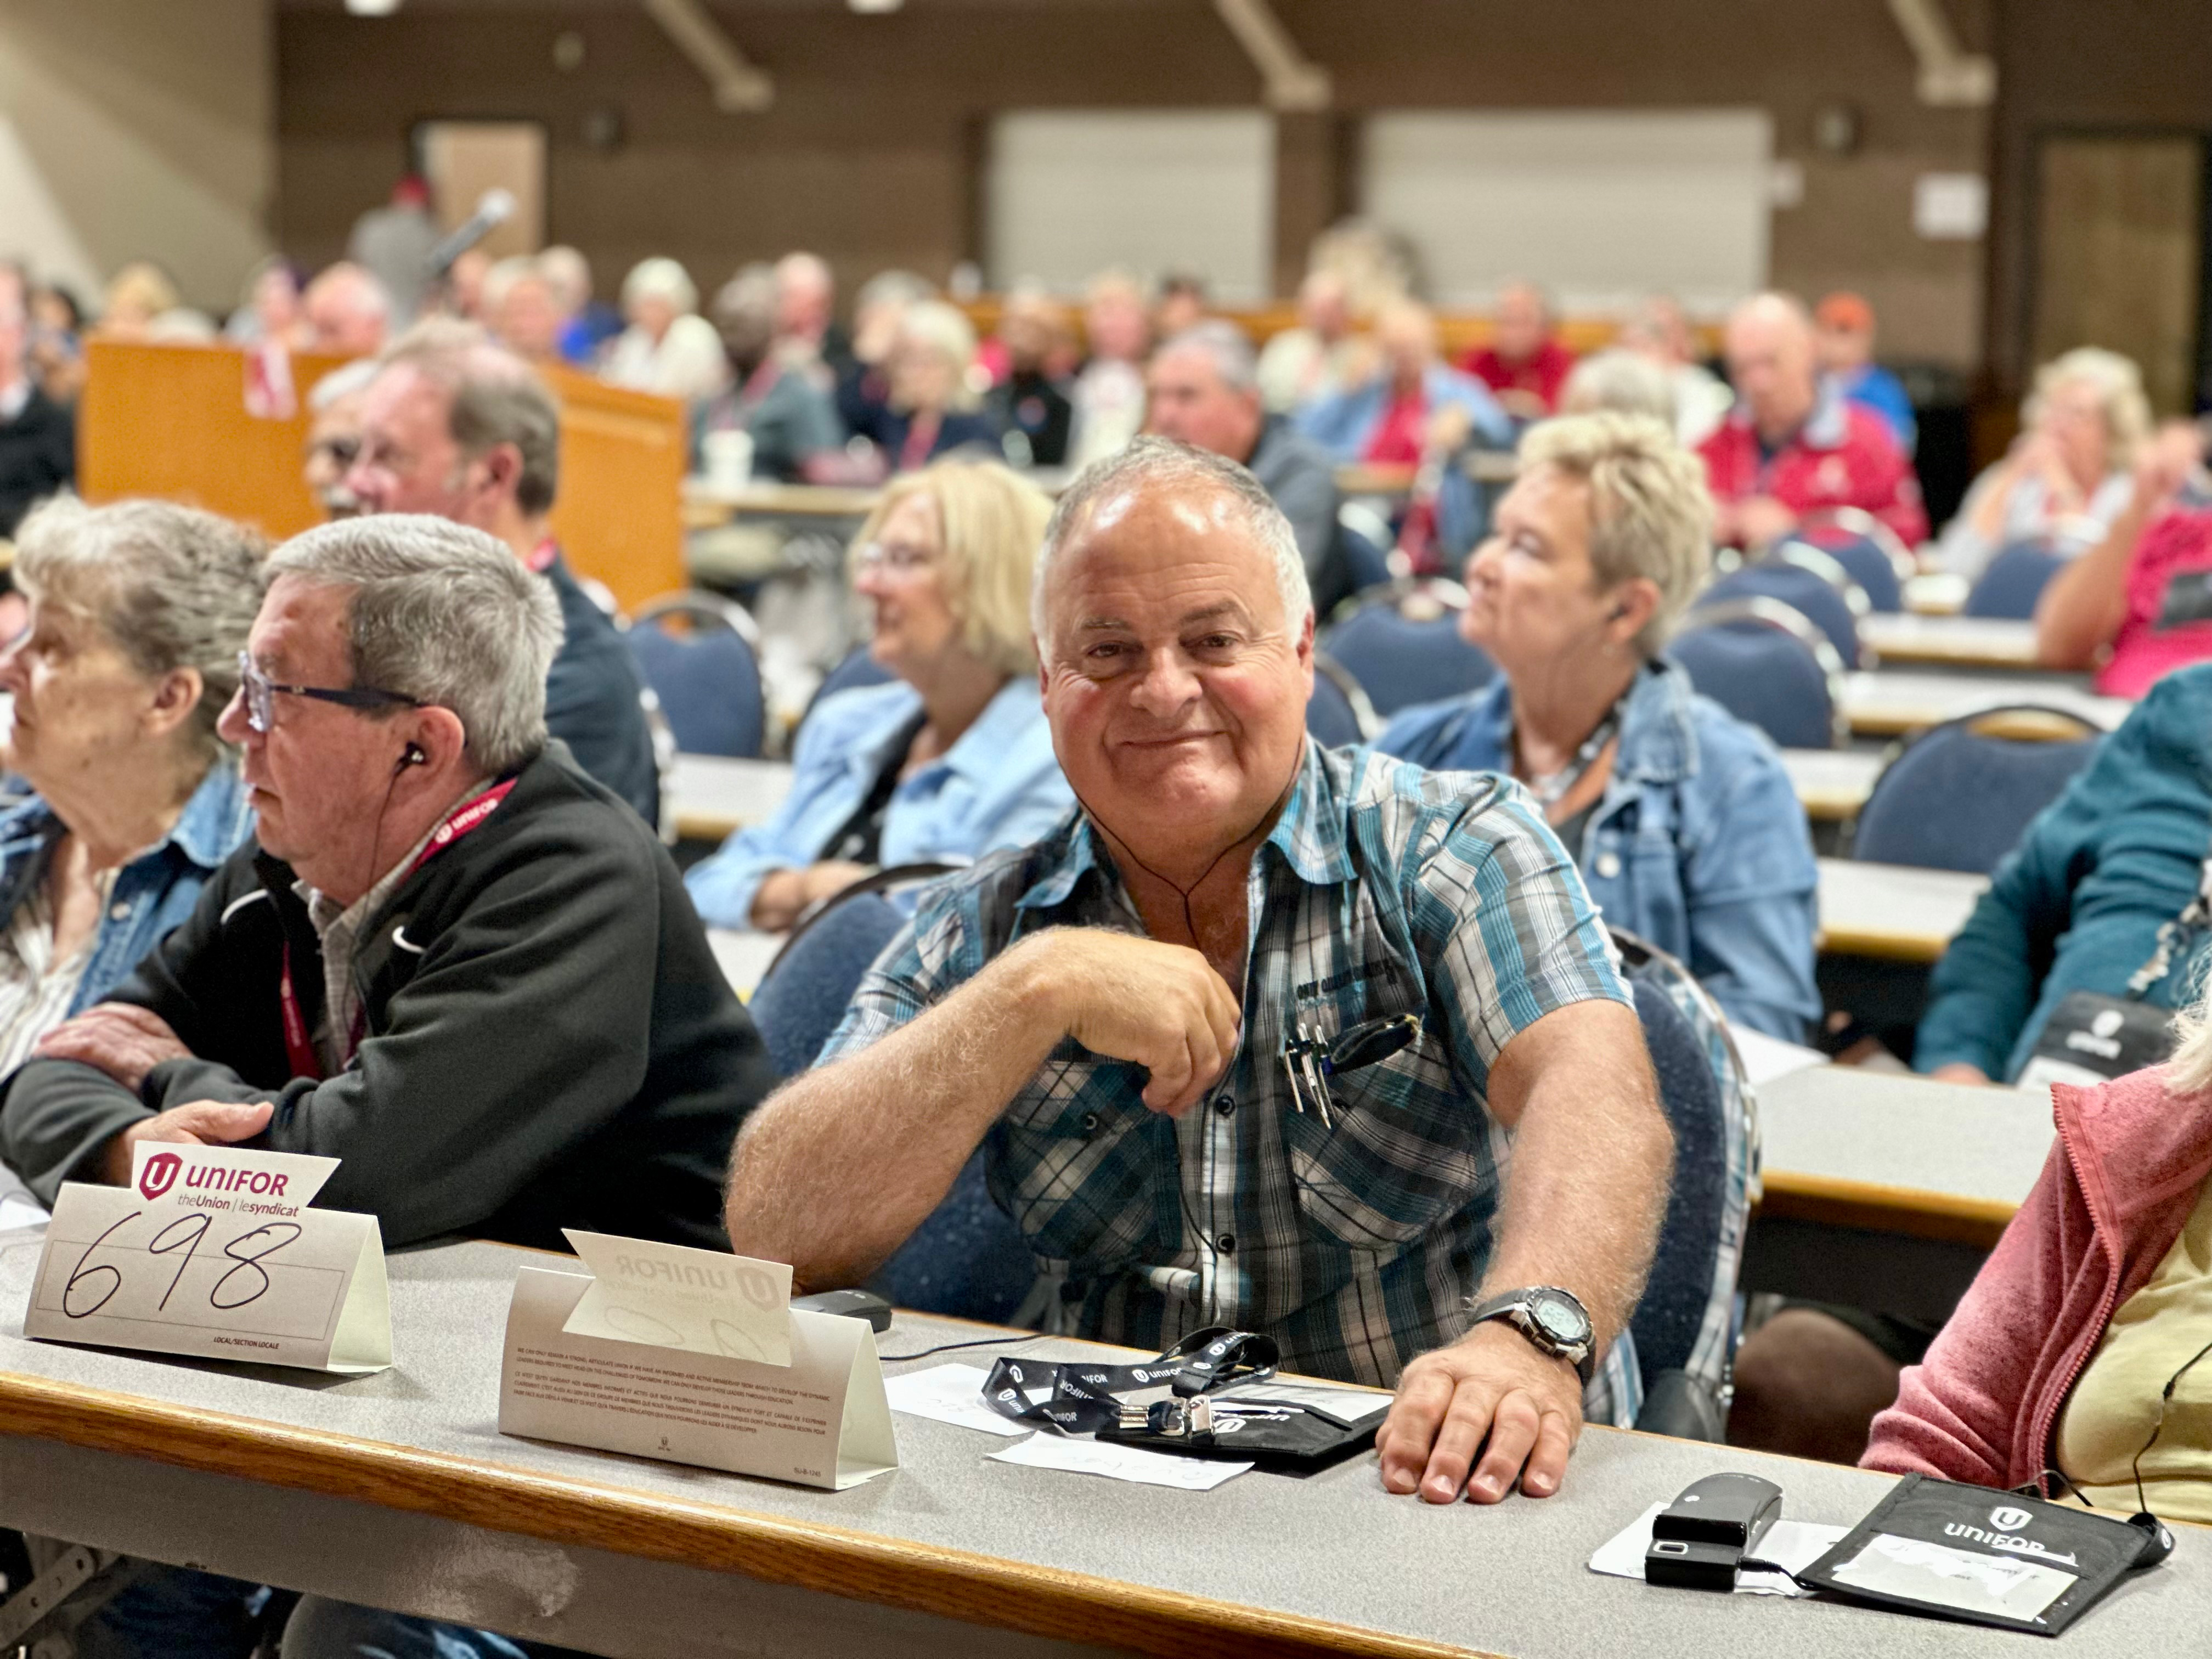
(1107, 1013)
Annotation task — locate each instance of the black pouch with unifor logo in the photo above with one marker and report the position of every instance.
(1982, 1557)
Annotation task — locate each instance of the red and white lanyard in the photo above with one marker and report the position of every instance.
(298, 1045)
(541, 557)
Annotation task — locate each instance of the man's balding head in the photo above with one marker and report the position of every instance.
(805, 293)
(1771, 362)
(347, 312)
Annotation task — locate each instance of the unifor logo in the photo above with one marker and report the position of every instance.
(2009, 1520)
(160, 1174)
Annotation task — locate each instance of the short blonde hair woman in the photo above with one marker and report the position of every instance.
(1683, 822)
(935, 393)
(951, 759)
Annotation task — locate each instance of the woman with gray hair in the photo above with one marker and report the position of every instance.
(668, 347)
(1685, 825)
(138, 612)
(932, 406)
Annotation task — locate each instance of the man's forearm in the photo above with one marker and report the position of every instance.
(2083, 605)
(58, 1117)
(836, 1170)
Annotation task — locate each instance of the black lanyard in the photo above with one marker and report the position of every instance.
(2171, 934)
(1080, 1399)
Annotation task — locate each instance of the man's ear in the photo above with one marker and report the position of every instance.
(440, 736)
(502, 467)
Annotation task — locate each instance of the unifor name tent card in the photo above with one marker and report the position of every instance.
(693, 1357)
(215, 1251)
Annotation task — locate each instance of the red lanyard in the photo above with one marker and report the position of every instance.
(541, 557)
(299, 1047)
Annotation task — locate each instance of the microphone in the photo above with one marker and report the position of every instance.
(494, 209)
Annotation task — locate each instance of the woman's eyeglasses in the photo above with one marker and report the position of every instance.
(894, 559)
(260, 694)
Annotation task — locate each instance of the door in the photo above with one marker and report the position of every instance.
(462, 160)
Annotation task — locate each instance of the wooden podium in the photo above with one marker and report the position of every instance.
(171, 421)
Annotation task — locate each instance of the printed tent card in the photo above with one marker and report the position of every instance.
(693, 1357)
(215, 1251)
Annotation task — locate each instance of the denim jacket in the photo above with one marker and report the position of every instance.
(999, 785)
(1344, 422)
(153, 893)
(1697, 845)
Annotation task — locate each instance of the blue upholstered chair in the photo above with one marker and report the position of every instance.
(1402, 644)
(858, 668)
(1338, 713)
(1365, 537)
(1959, 797)
(2013, 581)
(697, 651)
(1867, 550)
(1810, 582)
(1765, 663)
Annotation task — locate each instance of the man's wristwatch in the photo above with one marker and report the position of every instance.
(1552, 1320)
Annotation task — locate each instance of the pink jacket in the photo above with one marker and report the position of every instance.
(1983, 1408)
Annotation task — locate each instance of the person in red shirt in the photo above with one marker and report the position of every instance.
(1792, 446)
(1522, 364)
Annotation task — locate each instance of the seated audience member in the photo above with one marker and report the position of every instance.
(1105, 1012)
(1660, 329)
(668, 349)
(462, 293)
(334, 436)
(2060, 1356)
(525, 316)
(2139, 604)
(1412, 406)
(1205, 391)
(137, 614)
(38, 436)
(878, 310)
(348, 313)
(1031, 400)
(452, 961)
(789, 419)
(1685, 827)
(2066, 476)
(1794, 444)
(142, 303)
(2084, 905)
(1626, 382)
(1524, 365)
(931, 407)
(1315, 358)
(1843, 325)
(586, 325)
(57, 342)
(457, 426)
(269, 310)
(949, 760)
(806, 328)
(1109, 388)
(1180, 305)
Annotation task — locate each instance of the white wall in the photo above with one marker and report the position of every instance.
(1069, 192)
(1598, 207)
(137, 127)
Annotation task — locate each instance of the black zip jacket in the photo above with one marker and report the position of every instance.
(550, 1041)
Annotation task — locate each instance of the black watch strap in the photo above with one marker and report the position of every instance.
(1512, 1302)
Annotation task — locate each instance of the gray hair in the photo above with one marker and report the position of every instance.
(493, 398)
(443, 614)
(748, 298)
(660, 279)
(172, 586)
(1225, 346)
(1626, 382)
(1155, 463)
(345, 381)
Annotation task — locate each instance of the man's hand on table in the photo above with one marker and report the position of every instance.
(1160, 1007)
(199, 1123)
(1491, 1384)
(122, 1039)
(1964, 1072)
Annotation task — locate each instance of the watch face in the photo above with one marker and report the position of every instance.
(1561, 1320)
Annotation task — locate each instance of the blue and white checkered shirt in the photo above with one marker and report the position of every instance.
(1357, 1244)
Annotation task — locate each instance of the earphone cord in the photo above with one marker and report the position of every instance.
(2165, 1399)
(1189, 920)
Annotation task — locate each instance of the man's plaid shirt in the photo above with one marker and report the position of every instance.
(1382, 890)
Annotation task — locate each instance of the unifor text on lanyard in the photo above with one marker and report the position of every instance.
(298, 1045)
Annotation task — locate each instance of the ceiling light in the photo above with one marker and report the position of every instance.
(874, 8)
(372, 8)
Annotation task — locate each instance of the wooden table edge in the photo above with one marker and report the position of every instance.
(952, 1584)
(1946, 1218)
(1877, 942)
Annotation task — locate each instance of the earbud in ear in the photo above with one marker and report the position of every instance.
(412, 756)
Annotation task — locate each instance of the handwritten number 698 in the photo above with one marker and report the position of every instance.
(249, 1261)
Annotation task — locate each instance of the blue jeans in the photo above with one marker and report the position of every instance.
(322, 1629)
(176, 1614)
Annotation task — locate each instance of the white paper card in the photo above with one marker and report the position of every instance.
(1967, 1580)
(820, 1419)
(215, 1251)
(670, 1296)
(1795, 1545)
(949, 1393)
(1350, 1407)
(1058, 1451)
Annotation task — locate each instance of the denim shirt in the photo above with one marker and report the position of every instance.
(1344, 422)
(999, 785)
(152, 893)
(1697, 845)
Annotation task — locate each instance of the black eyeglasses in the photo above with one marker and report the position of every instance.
(260, 694)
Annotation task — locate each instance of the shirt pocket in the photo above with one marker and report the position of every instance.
(1086, 1171)
(1404, 1148)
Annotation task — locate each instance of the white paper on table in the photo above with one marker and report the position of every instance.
(1795, 1545)
(949, 1393)
(821, 1418)
(1350, 1407)
(670, 1296)
(1766, 1058)
(215, 1251)
(1968, 1581)
(1058, 1451)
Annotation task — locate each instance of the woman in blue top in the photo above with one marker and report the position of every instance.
(138, 613)
(953, 758)
(1681, 817)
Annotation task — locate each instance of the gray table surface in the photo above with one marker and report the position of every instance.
(1886, 1129)
(1511, 1579)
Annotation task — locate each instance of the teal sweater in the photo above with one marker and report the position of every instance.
(2077, 905)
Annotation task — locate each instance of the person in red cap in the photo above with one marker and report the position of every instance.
(1523, 365)
(1794, 444)
(1845, 322)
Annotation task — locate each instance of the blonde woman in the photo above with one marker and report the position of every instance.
(1683, 822)
(932, 407)
(2084, 1345)
(953, 757)
(2066, 477)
